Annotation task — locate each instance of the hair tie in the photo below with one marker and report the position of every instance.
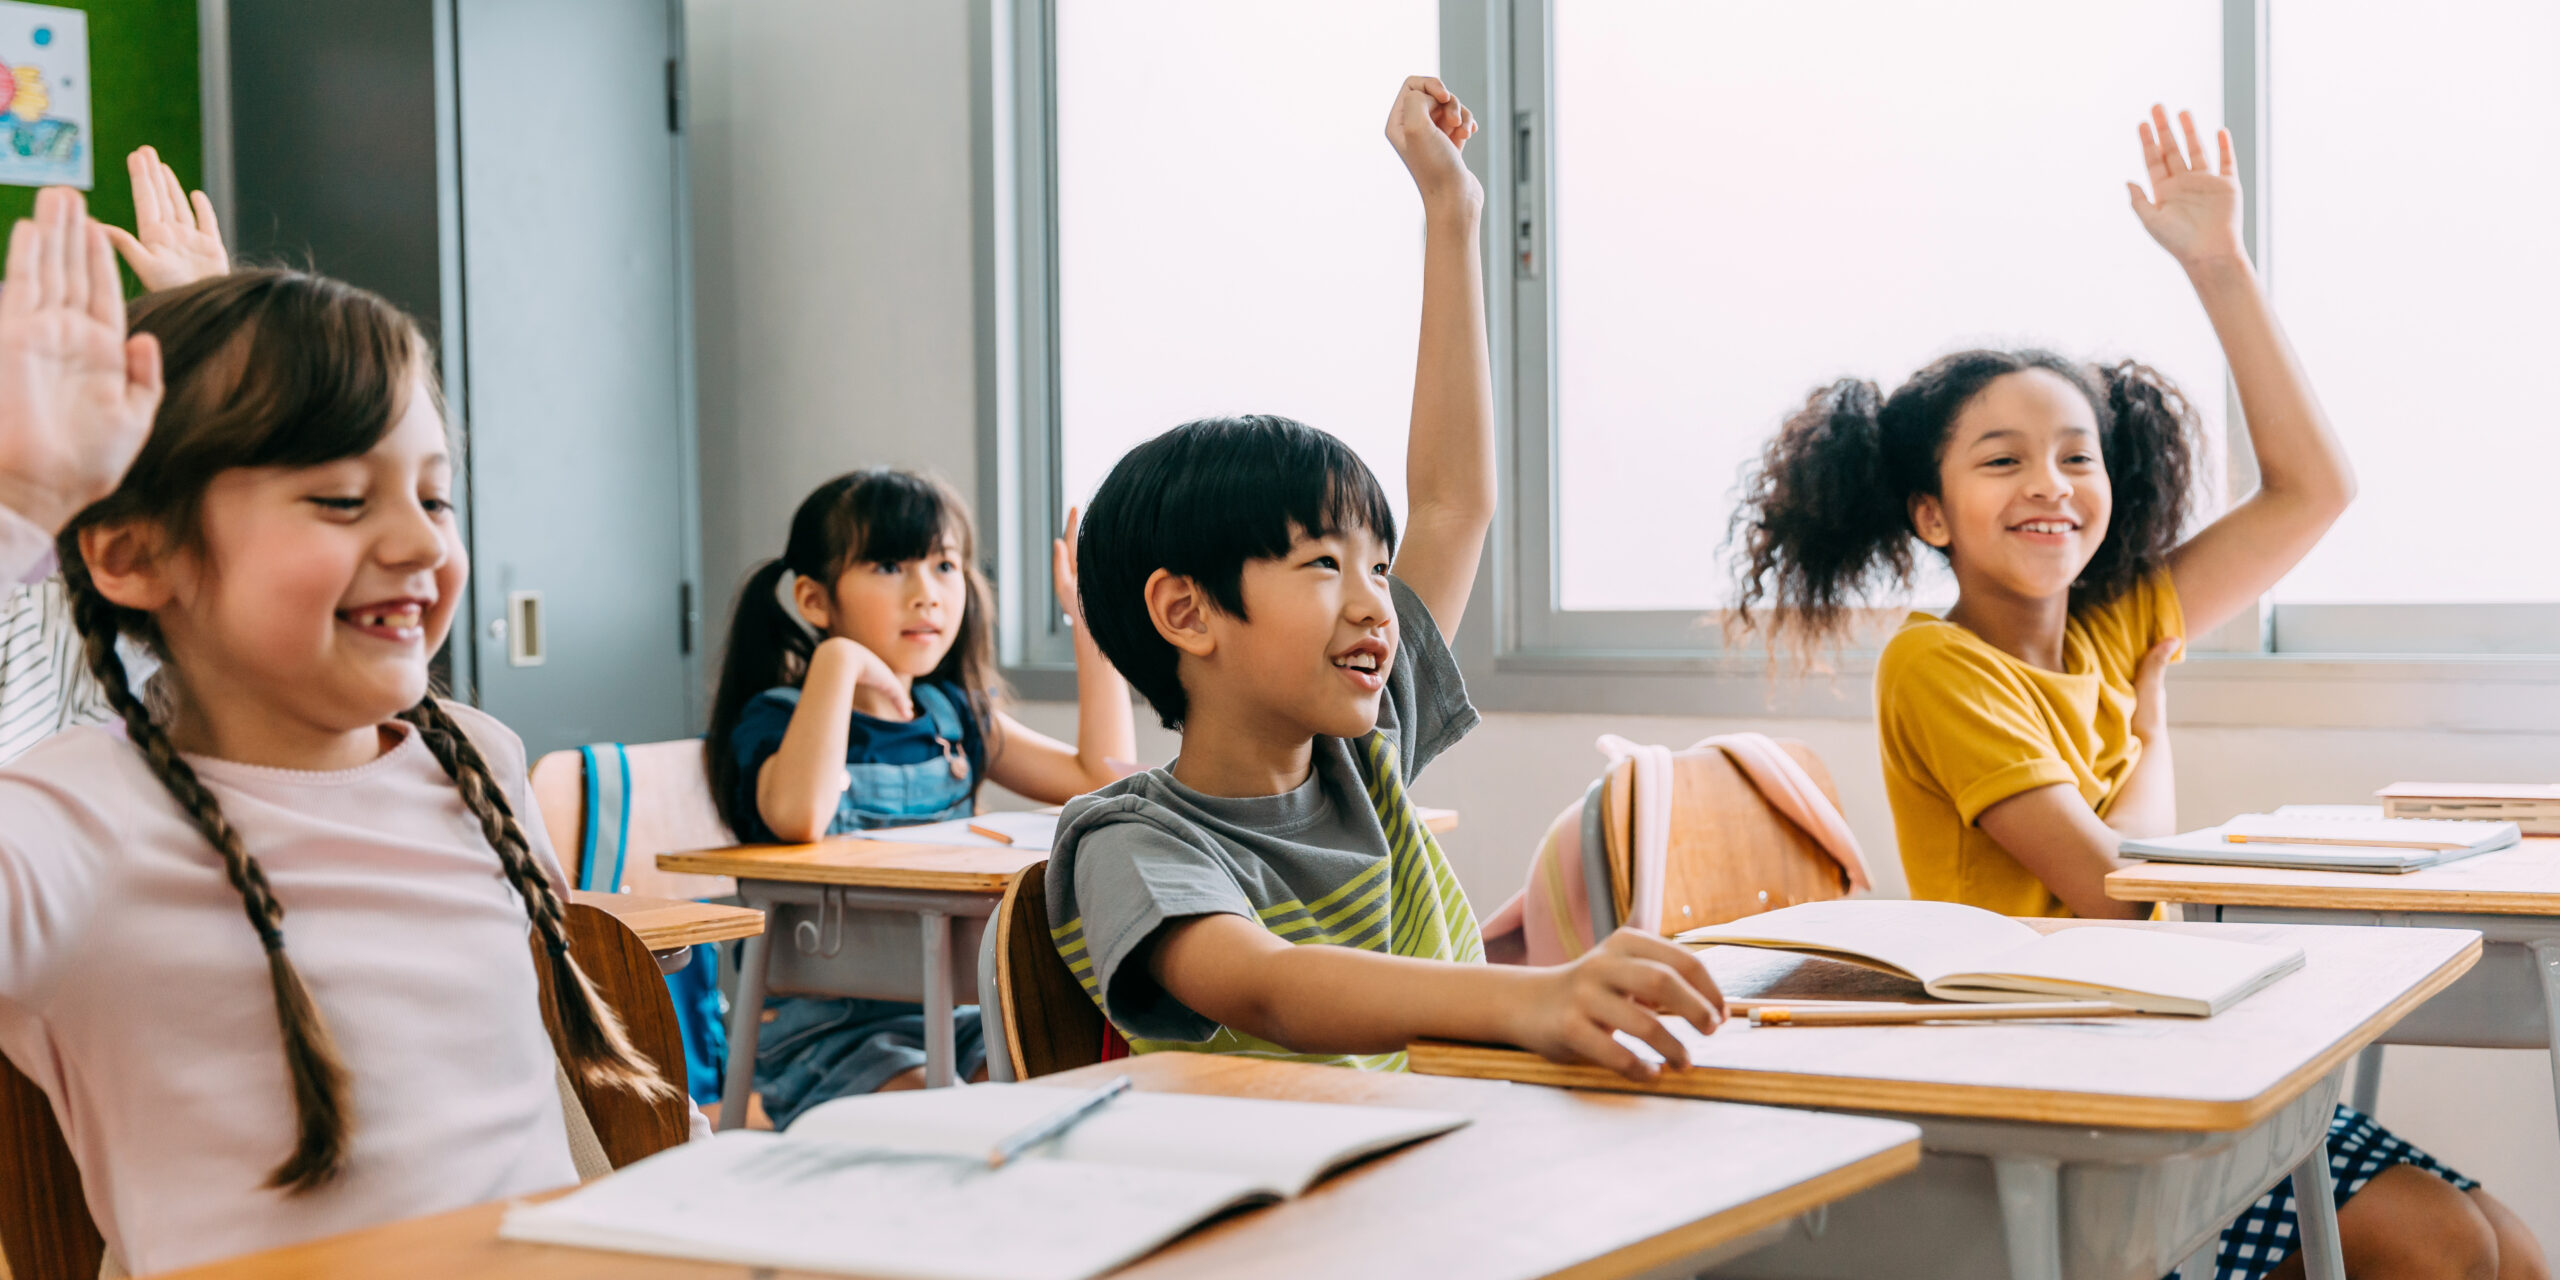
(790, 604)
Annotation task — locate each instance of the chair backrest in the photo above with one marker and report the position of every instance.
(619, 806)
(45, 1229)
(627, 976)
(1049, 1023)
(1732, 853)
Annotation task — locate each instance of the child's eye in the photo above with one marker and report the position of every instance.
(1324, 562)
(348, 506)
(436, 506)
(884, 567)
(1377, 570)
(947, 566)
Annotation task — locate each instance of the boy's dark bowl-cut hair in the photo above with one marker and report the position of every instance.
(1200, 501)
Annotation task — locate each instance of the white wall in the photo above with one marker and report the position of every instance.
(832, 206)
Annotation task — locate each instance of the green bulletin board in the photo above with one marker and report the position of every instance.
(143, 87)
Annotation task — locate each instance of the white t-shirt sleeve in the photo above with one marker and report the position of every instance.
(26, 552)
(53, 876)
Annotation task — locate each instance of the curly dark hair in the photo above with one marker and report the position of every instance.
(1825, 516)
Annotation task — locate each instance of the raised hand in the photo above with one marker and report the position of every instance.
(178, 242)
(1428, 127)
(76, 394)
(2193, 208)
(1062, 570)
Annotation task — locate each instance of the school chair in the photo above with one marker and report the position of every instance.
(1673, 840)
(1031, 1001)
(611, 809)
(46, 1232)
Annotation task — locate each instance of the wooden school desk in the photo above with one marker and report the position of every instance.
(670, 927)
(2510, 1001)
(877, 919)
(1545, 1182)
(2096, 1151)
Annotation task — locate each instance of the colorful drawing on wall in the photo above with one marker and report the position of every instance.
(44, 70)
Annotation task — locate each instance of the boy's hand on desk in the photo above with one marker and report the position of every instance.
(1624, 984)
(1429, 127)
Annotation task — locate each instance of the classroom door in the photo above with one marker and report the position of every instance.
(578, 395)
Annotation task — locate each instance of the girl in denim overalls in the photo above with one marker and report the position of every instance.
(859, 691)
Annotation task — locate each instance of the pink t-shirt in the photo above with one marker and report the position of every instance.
(134, 993)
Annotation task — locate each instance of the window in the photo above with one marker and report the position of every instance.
(1751, 200)
(2423, 311)
(1234, 233)
(1703, 211)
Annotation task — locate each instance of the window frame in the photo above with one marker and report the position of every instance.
(2325, 665)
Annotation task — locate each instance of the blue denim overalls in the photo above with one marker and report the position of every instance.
(814, 1050)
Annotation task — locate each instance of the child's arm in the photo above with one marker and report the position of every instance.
(1449, 480)
(2304, 479)
(1033, 764)
(2054, 833)
(1327, 999)
(798, 787)
(76, 394)
(179, 241)
(2147, 804)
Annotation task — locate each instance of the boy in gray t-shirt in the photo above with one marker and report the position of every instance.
(1236, 571)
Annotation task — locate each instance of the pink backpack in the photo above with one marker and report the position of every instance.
(1666, 841)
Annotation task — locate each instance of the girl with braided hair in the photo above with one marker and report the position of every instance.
(367, 1044)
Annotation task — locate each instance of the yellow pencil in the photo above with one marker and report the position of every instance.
(1880, 1014)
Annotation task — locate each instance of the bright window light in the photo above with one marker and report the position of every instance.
(1235, 235)
(2423, 308)
(1752, 199)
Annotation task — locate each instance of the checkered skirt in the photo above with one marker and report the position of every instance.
(2265, 1234)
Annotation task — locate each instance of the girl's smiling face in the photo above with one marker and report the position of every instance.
(312, 596)
(2023, 498)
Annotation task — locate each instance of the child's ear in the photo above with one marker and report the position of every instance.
(811, 596)
(1929, 520)
(1180, 611)
(126, 565)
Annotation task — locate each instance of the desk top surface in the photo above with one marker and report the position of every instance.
(665, 924)
(1544, 1182)
(2190, 1074)
(2522, 880)
(893, 864)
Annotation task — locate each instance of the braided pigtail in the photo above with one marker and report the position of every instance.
(599, 1050)
(311, 1055)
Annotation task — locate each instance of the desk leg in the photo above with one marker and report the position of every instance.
(746, 1022)
(2546, 960)
(2368, 1090)
(2315, 1206)
(2031, 1214)
(938, 1048)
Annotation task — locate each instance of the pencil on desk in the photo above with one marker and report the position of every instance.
(1834, 1015)
(991, 833)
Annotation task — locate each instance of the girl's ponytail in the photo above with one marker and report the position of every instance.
(1821, 521)
(2147, 433)
(765, 649)
(318, 1071)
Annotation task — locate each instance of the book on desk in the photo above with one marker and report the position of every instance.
(2533, 806)
(1956, 952)
(899, 1184)
(2329, 838)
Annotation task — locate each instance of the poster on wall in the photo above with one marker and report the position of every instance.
(45, 138)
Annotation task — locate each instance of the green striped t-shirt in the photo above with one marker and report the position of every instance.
(1340, 860)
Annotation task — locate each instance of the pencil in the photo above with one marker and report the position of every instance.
(1880, 1014)
(991, 833)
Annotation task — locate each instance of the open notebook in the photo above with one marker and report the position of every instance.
(1965, 953)
(896, 1185)
(2328, 838)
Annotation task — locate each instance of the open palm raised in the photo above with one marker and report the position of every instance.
(76, 393)
(2193, 208)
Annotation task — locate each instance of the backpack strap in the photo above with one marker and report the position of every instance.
(608, 824)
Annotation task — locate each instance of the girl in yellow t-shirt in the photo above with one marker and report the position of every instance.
(2025, 733)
